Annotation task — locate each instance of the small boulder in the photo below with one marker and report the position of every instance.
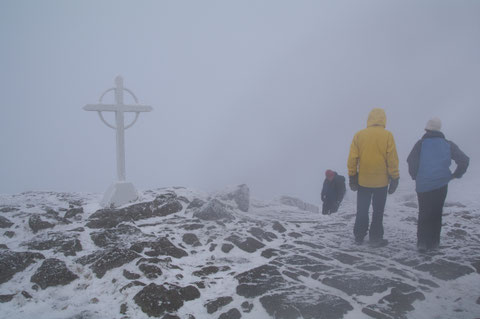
(240, 195)
(163, 205)
(6, 298)
(72, 212)
(301, 263)
(346, 258)
(298, 203)
(214, 210)
(295, 235)
(259, 280)
(260, 234)
(5, 222)
(364, 284)
(191, 239)
(8, 209)
(37, 224)
(26, 295)
(231, 314)
(53, 272)
(130, 275)
(9, 234)
(162, 246)
(247, 307)
(210, 270)
(150, 271)
(214, 305)
(13, 262)
(270, 252)
(112, 259)
(171, 206)
(121, 235)
(278, 227)
(294, 305)
(394, 305)
(103, 261)
(196, 203)
(476, 265)
(131, 284)
(189, 293)
(123, 309)
(250, 245)
(191, 227)
(106, 218)
(156, 300)
(445, 270)
(226, 248)
(68, 244)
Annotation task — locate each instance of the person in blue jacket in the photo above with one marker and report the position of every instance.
(429, 165)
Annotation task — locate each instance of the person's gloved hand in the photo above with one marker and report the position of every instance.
(393, 185)
(353, 182)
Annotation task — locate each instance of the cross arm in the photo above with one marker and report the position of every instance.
(115, 108)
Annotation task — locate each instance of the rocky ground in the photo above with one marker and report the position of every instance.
(183, 254)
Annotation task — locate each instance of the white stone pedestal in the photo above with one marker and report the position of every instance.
(118, 194)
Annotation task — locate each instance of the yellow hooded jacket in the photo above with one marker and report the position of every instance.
(373, 155)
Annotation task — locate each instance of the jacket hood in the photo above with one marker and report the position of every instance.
(377, 117)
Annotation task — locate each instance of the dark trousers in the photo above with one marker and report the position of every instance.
(329, 206)
(430, 205)
(366, 196)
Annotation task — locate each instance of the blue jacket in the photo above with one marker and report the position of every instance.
(430, 159)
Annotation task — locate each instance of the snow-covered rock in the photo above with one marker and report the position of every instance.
(298, 203)
(53, 272)
(183, 254)
(214, 210)
(12, 262)
(5, 223)
(240, 195)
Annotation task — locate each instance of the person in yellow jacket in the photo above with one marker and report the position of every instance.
(372, 167)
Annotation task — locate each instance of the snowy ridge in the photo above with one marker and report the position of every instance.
(179, 253)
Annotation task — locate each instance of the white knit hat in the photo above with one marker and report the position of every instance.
(434, 124)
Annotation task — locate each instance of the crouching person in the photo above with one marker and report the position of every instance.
(332, 192)
(429, 165)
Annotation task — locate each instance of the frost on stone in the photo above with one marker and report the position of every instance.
(298, 203)
(13, 262)
(240, 195)
(53, 272)
(214, 210)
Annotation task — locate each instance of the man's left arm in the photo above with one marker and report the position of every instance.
(460, 159)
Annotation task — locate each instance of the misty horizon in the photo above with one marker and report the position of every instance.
(266, 94)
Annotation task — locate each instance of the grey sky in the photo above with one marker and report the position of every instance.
(267, 93)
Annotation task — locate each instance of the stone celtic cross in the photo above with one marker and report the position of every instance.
(120, 192)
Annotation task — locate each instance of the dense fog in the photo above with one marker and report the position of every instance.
(267, 93)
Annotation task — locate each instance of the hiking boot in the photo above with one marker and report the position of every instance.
(358, 241)
(422, 248)
(378, 243)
